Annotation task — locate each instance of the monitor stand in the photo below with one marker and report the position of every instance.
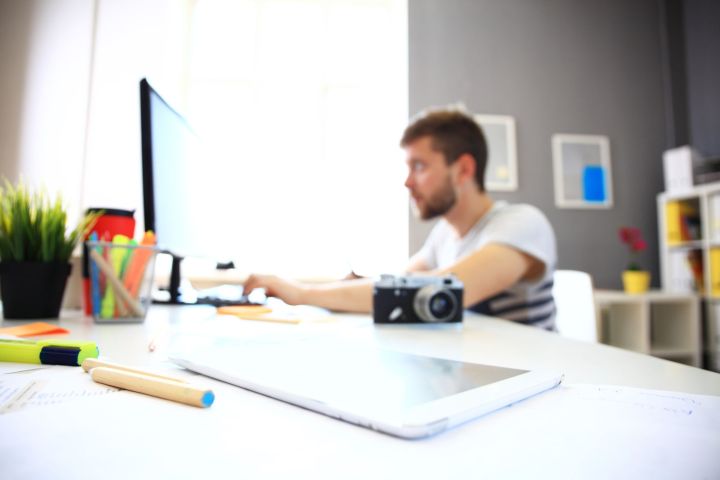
(192, 298)
(173, 288)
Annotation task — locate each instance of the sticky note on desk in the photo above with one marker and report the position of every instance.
(244, 310)
(32, 329)
(267, 314)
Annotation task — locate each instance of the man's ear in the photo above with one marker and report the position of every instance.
(466, 167)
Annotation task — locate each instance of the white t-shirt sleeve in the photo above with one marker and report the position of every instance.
(520, 226)
(524, 228)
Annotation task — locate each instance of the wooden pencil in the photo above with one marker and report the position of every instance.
(156, 387)
(90, 363)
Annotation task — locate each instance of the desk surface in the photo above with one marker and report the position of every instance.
(246, 435)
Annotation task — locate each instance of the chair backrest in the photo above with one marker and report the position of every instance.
(575, 304)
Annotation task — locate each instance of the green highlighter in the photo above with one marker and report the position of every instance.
(48, 352)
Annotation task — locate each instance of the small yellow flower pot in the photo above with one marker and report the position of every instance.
(636, 281)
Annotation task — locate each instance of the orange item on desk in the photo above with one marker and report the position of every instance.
(266, 314)
(136, 267)
(33, 329)
(244, 310)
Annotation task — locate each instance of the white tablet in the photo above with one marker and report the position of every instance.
(409, 396)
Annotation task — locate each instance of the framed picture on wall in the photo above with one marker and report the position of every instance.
(581, 165)
(501, 170)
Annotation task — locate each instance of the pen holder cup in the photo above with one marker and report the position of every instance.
(121, 281)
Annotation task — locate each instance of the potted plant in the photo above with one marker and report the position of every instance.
(35, 249)
(635, 279)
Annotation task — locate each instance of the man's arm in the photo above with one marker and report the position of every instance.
(486, 272)
(346, 295)
(491, 270)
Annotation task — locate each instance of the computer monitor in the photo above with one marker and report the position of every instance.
(172, 171)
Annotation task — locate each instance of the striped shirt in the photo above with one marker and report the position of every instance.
(519, 226)
(533, 306)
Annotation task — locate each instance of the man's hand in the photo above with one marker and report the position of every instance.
(286, 290)
(341, 296)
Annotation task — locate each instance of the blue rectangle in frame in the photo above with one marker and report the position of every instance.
(594, 184)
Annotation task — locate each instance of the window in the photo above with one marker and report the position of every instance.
(304, 103)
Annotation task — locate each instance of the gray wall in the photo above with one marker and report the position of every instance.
(702, 40)
(557, 66)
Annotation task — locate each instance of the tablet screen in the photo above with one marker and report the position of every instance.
(358, 378)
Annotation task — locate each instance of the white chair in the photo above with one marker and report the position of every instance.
(575, 315)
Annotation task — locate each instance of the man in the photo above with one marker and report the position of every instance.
(504, 254)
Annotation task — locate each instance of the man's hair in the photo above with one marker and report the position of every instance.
(452, 133)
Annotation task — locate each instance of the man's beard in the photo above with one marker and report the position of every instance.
(437, 204)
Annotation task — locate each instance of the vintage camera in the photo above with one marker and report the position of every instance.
(417, 299)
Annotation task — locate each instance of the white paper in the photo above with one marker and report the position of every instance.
(9, 367)
(622, 432)
(45, 387)
(573, 431)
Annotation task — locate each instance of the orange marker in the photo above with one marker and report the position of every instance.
(136, 268)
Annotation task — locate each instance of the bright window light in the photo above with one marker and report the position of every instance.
(303, 103)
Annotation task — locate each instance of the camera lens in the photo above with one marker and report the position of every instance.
(435, 304)
(441, 305)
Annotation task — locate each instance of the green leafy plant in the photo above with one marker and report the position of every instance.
(33, 228)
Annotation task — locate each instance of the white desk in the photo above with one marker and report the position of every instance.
(246, 435)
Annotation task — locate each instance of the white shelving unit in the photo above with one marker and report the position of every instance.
(657, 323)
(689, 228)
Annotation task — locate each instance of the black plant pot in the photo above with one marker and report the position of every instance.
(32, 289)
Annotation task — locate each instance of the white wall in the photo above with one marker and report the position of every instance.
(44, 52)
(51, 69)
(135, 39)
(71, 117)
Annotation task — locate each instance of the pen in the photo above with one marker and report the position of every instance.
(116, 284)
(117, 260)
(114, 260)
(95, 286)
(48, 352)
(90, 363)
(136, 269)
(154, 386)
(127, 257)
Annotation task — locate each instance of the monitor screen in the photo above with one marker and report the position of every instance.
(173, 170)
(177, 203)
(169, 163)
